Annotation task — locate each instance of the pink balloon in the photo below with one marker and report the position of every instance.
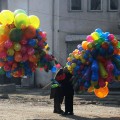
(111, 37)
(43, 34)
(58, 66)
(3, 54)
(101, 82)
(89, 38)
(41, 69)
(23, 49)
(40, 44)
(7, 67)
(30, 51)
(8, 44)
(23, 41)
(110, 66)
(25, 57)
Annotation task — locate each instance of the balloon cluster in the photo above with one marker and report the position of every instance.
(95, 63)
(23, 45)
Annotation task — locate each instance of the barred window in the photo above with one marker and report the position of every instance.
(113, 5)
(75, 5)
(95, 5)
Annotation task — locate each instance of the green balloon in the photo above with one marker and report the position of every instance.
(2, 71)
(18, 11)
(54, 85)
(15, 35)
(118, 46)
(21, 21)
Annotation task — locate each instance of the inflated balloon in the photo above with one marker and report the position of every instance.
(1, 64)
(25, 57)
(34, 21)
(18, 11)
(10, 52)
(32, 42)
(103, 72)
(18, 57)
(3, 54)
(2, 72)
(1, 29)
(8, 44)
(101, 92)
(30, 32)
(84, 45)
(95, 35)
(6, 17)
(21, 21)
(30, 51)
(89, 38)
(17, 47)
(23, 41)
(16, 35)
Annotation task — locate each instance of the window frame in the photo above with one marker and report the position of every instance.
(70, 3)
(89, 7)
(110, 9)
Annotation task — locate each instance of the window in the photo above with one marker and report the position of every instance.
(95, 5)
(113, 5)
(75, 5)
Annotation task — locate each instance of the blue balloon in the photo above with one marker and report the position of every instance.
(53, 69)
(10, 58)
(8, 74)
(99, 31)
(32, 42)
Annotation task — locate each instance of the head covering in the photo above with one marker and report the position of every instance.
(60, 75)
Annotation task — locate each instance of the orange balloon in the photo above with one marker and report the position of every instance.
(30, 32)
(114, 42)
(33, 58)
(101, 92)
(3, 38)
(2, 47)
(90, 89)
(84, 45)
(1, 64)
(18, 57)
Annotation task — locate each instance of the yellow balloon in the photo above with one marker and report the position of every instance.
(34, 21)
(10, 52)
(1, 29)
(6, 17)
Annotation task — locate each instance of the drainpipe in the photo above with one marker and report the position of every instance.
(53, 9)
(28, 7)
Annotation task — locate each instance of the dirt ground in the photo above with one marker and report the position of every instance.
(36, 105)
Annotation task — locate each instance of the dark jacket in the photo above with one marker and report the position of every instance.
(66, 84)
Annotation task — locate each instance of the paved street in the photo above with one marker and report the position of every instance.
(34, 104)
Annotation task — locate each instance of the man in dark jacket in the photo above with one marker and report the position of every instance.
(68, 91)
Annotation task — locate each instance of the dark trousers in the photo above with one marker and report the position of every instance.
(69, 103)
(57, 104)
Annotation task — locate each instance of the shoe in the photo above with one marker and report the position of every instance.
(64, 113)
(70, 113)
(59, 112)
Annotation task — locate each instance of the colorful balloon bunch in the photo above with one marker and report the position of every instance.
(95, 63)
(23, 45)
